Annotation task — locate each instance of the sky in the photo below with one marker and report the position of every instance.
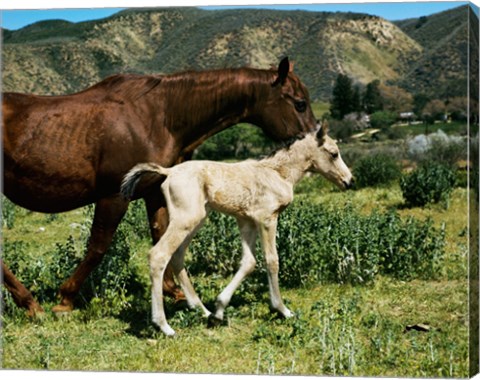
(15, 14)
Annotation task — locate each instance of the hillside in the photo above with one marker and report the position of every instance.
(64, 57)
(442, 69)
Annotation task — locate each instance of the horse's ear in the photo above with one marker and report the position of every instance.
(283, 69)
(322, 132)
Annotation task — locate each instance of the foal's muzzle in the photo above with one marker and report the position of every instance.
(349, 184)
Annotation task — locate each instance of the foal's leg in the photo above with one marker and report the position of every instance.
(20, 294)
(108, 214)
(158, 219)
(178, 264)
(160, 255)
(248, 233)
(268, 231)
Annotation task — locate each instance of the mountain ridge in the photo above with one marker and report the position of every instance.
(66, 57)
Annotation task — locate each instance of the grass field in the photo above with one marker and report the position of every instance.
(339, 329)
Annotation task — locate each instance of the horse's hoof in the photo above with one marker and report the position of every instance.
(61, 310)
(179, 297)
(35, 311)
(180, 305)
(213, 321)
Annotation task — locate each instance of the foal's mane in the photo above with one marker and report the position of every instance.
(285, 145)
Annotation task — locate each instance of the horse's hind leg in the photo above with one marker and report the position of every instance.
(248, 233)
(108, 214)
(20, 294)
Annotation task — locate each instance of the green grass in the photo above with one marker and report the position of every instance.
(338, 329)
(320, 108)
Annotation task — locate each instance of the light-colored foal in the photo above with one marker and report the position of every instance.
(254, 192)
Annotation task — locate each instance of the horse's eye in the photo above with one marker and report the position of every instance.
(300, 105)
(334, 155)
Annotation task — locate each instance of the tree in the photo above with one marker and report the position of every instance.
(372, 99)
(434, 109)
(342, 97)
(419, 103)
(395, 99)
(356, 99)
(458, 108)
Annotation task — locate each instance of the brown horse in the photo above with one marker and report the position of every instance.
(65, 152)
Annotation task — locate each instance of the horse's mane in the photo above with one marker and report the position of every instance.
(134, 86)
(126, 86)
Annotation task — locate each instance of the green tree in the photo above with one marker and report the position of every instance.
(342, 97)
(372, 99)
(356, 99)
(419, 103)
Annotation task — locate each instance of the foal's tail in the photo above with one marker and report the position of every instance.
(148, 173)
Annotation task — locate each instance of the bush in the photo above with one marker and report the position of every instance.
(438, 147)
(374, 170)
(341, 130)
(314, 245)
(110, 288)
(319, 245)
(430, 183)
(382, 119)
(8, 212)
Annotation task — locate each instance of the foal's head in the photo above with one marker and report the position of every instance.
(282, 108)
(327, 161)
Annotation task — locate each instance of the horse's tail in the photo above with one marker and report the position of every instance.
(148, 173)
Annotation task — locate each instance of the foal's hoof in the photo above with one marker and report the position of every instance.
(286, 314)
(213, 321)
(168, 331)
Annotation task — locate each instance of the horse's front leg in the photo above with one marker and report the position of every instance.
(20, 294)
(268, 230)
(158, 219)
(108, 214)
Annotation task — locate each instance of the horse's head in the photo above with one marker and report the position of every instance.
(284, 110)
(327, 161)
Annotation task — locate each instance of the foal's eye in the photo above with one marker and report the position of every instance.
(334, 155)
(300, 105)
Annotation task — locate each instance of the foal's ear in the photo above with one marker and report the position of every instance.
(322, 132)
(283, 69)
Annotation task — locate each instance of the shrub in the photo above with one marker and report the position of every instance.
(111, 286)
(438, 147)
(377, 169)
(319, 245)
(341, 130)
(8, 212)
(430, 183)
(382, 119)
